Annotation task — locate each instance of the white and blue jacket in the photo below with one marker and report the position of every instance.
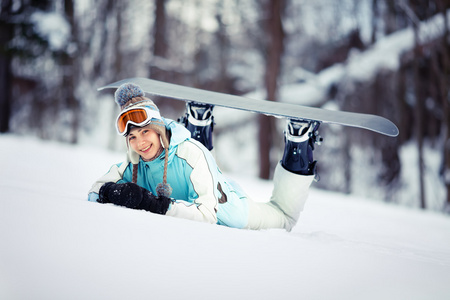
(201, 191)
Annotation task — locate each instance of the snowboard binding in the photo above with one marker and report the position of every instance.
(200, 122)
(300, 137)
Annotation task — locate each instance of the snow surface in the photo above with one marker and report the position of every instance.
(56, 245)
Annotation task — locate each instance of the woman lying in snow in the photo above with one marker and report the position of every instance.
(168, 172)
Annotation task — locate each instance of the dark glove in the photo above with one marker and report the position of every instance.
(157, 205)
(133, 196)
(124, 194)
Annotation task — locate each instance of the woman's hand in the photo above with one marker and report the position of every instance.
(133, 196)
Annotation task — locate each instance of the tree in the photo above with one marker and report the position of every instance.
(443, 74)
(159, 38)
(70, 80)
(274, 50)
(6, 35)
(18, 40)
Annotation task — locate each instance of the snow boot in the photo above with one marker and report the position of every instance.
(300, 137)
(200, 122)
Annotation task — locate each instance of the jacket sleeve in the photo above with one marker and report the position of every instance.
(114, 174)
(204, 181)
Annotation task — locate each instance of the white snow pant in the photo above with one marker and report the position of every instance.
(288, 199)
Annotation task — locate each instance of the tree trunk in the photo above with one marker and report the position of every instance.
(70, 75)
(419, 114)
(390, 17)
(375, 17)
(224, 46)
(275, 49)
(6, 34)
(444, 84)
(118, 7)
(159, 38)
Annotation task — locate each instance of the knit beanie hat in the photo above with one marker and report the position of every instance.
(130, 95)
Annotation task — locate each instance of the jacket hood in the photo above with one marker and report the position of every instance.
(179, 134)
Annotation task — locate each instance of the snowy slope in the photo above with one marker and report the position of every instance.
(56, 245)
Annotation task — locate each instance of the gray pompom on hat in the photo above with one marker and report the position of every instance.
(126, 92)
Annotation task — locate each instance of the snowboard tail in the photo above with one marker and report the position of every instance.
(278, 109)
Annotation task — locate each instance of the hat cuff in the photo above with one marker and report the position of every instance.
(139, 101)
(162, 131)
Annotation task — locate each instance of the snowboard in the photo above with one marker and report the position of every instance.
(272, 108)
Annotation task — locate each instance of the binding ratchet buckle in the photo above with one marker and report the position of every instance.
(200, 122)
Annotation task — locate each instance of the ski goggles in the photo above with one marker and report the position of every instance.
(137, 116)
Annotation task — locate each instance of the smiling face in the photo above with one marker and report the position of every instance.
(145, 142)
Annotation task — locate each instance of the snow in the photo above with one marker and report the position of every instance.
(56, 245)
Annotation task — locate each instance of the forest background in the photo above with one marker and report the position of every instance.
(55, 54)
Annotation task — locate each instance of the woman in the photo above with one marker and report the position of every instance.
(168, 172)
